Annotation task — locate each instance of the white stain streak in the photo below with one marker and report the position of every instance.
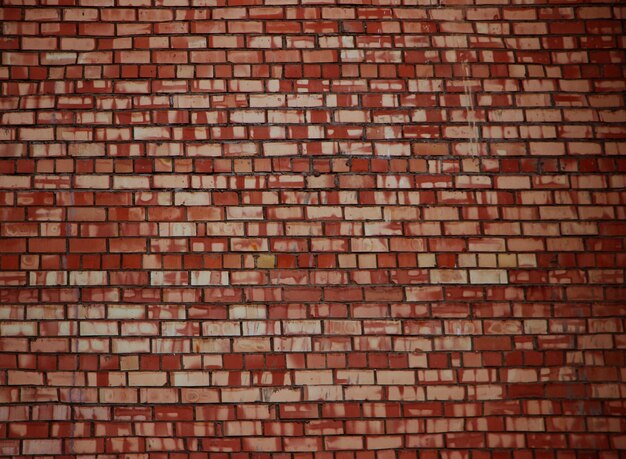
(470, 111)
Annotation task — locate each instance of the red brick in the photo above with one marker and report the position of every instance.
(400, 225)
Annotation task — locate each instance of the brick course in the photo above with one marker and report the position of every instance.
(317, 229)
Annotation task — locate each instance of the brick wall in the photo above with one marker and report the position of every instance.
(316, 229)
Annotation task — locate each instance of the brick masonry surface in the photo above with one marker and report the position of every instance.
(312, 229)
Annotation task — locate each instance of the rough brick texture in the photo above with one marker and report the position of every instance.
(312, 229)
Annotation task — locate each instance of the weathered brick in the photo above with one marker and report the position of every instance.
(337, 229)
